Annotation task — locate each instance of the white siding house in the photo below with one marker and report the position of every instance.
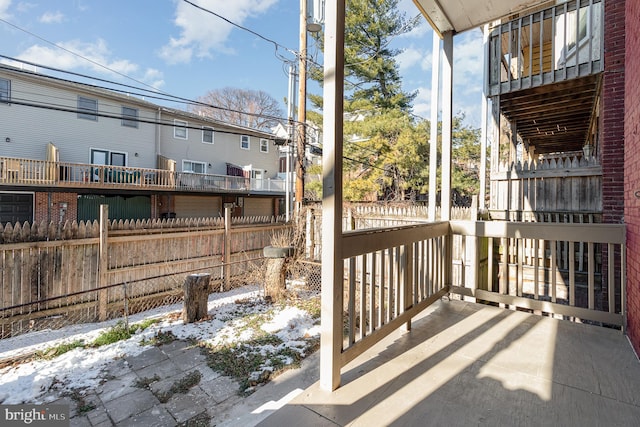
(70, 144)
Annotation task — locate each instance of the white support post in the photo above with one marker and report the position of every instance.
(484, 133)
(332, 299)
(447, 124)
(447, 131)
(433, 140)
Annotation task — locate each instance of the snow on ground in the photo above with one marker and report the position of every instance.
(83, 367)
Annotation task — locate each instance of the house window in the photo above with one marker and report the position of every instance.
(180, 129)
(207, 135)
(130, 117)
(87, 108)
(264, 145)
(5, 90)
(244, 142)
(192, 166)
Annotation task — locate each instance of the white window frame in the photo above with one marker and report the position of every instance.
(208, 129)
(264, 145)
(84, 112)
(244, 138)
(129, 120)
(5, 94)
(191, 163)
(180, 125)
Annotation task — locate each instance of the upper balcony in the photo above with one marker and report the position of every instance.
(544, 74)
(552, 45)
(16, 172)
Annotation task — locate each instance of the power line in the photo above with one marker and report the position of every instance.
(276, 44)
(146, 93)
(76, 54)
(66, 109)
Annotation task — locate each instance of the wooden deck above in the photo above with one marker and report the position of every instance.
(30, 173)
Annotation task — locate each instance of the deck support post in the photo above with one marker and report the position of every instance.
(332, 263)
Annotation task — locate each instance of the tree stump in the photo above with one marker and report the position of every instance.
(275, 284)
(196, 294)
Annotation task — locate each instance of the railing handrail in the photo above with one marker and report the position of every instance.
(22, 171)
(572, 232)
(359, 242)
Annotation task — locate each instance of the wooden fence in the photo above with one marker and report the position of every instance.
(568, 184)
(52, 275)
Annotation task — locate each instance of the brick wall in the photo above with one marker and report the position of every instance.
(53, 210)
(632, 170)
(612, 125)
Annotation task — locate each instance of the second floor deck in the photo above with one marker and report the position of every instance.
(559, 43)
(30, 173)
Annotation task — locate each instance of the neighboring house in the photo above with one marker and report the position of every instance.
(67, 147)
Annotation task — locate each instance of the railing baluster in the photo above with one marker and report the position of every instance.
(505, 266)
(553, 244)
(391, 290)
(611, 280)
(382, 312)
(490, 286)
(591, 274)
(553, 45)
(572, 274)
(398, 282)
(352, 301)
(520, 272)
(566, 42)
(372, 292)
(536, 269)
(363, 296)
(542, 48)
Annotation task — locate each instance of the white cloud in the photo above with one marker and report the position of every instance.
(201, 32)
(95, 57)
(24, 7)
(4, 9)
(468, 60)
(468, 57)
(409, 57)
(52, 18)
(422, 103)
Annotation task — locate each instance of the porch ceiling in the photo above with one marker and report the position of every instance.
(553, 118)
(462, 15)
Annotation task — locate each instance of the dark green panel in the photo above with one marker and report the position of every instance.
(138, 207)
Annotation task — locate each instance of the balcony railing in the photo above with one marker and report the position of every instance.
(41, 173)
(559, 43)
(390, 275)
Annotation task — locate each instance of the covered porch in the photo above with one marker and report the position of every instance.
(464, 322)
(473, 364)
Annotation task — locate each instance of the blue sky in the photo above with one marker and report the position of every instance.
(183, 51)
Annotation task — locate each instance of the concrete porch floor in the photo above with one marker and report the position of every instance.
(472, 364)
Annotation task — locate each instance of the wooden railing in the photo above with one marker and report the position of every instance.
(559, 43)
(572, 270)
(390, 275)
(41, 173)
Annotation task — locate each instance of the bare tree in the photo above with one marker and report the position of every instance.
(254, 109)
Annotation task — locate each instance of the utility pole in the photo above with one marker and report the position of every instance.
(290, 138)
(301, 134)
